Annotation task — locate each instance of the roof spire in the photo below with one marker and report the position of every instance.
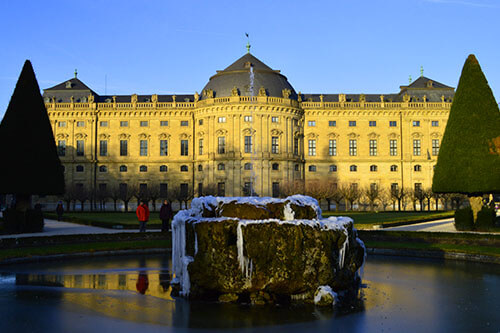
(409, 79)
(421, 70)
(76, 73)
(248, 43)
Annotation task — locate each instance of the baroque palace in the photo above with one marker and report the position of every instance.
(248, 128)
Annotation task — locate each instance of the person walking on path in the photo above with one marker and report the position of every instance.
(142, 213)
(59, 210)
(165, 215)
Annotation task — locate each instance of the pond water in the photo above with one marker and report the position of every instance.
(132, 293)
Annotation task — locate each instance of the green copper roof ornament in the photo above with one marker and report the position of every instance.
(248, 43)
(76, 73)
(409, 79)
(421, 70)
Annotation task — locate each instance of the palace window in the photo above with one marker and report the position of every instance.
(393, 147)
(123, 168)
(103, 148)
(276, 189)
(163, 147)
(332, 148)
(221, 120)
(274, 145)
(274, 119)
(394, 168)
(312, 147)
(144, 123)
(184, 168)
(143, 148)
(311, 123)
(416, 123)
(184, 148)
(184, 123)
(163, 168)
(184, 189)
(248, 166)
(79, 168)
(221, 189)
(373, 187)
(312, 168)
(103, 124)
(435, 147)
(143, 168)
(221, 148)
(61, 147)
(80, 148)
(373, 168)
(123, 147)
(200, 167)
(353, 168)
(200, 146)
(393, 123)
(333, 168)
(394, 188)
(416, 148)
(61, 124)
(353, 148)
(417, 168)
(372, 123)
(275, 166)
(221, 166)
(247, 119)
(200, 122)
(435, 123)
(373, 147)
(296, 167)
(332, 123)
(295, 146)
(352, 123)
(418, 187)
(163, 190)
(248, 144)
(80, 124)
(163, 123)
(123, 123)
(103, 168)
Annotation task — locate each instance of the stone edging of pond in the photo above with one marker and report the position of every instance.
(435, 255)
(79, 255)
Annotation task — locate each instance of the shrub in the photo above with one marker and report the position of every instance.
(464, 219)
(16, 222)
(485, 219)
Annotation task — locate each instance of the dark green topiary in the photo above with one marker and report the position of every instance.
(469, 157)
(486, 219)
(30, 164)
(464, 220)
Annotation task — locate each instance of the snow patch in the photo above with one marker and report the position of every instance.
(288, 213)
(324, 291)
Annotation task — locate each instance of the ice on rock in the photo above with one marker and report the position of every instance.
(324, 293)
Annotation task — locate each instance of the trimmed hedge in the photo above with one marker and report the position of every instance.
(464, 219)
(486, 219)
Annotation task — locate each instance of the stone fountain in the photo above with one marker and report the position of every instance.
(264, 250)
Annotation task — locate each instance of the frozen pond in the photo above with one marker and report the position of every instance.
(130, 294)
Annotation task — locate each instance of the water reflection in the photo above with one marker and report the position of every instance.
(400, 295)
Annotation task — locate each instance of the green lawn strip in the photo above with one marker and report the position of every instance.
(430, 237)
(82, 247)
(373, 218)
(107, 219)
(459, 248)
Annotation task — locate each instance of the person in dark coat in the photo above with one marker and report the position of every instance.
(165, 215)
(142, 213)
(59, 210)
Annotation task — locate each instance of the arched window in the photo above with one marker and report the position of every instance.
(200, 167)
(79, 168)
(417, 168)
(248, 166)
(333, 168)
(394, 168)
(143, 168)
(123, 168)
(163, 168)
(353, 168)
(373, 168)
(221, 166)
(184, 168)
(275, 166)
(296, 167)
(312, 168)
(103, 168)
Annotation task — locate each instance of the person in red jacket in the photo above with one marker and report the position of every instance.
(142, 213)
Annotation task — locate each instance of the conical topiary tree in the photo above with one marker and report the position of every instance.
(469, 157)
(30, 164)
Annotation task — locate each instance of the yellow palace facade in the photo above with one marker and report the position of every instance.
(248, 128)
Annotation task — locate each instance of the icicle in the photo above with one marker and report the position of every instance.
(288, 212)
(246, 265)
(195, 242)
(180, 261)
(343, 250)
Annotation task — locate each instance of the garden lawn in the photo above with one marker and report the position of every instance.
(108, 219)
(366, 220)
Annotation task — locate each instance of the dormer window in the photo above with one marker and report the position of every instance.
(430, 84)
(248, 64)
(69, 85)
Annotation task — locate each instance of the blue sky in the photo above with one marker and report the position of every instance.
(160, 46)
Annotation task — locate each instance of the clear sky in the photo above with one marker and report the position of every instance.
(160, 46)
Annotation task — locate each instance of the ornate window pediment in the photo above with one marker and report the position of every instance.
(393, 136)
(124, 136)
(353, 135)
(435, 135)
(276, 132)
(80, 136)
(62, 136)
(200, 133)
(143, 136)
(373, 135)
(221, 132)
(312, 136)
(104, 136)
(416, 135)
(184, 136)
(248, 131)
(333, 135)
(164, 136)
